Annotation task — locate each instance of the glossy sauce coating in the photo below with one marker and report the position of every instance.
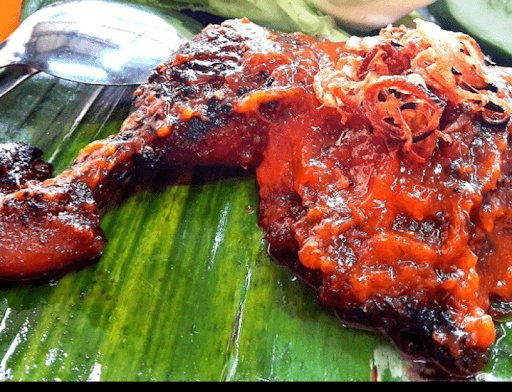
(380, 163)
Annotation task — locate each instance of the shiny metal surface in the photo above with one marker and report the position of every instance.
(91, 41)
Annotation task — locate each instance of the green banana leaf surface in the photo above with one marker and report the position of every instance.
(185, 289)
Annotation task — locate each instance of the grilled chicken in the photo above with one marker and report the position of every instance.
(382, 165)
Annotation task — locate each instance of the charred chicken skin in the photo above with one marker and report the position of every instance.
(382, 163)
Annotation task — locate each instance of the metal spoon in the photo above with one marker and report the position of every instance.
(90, 41)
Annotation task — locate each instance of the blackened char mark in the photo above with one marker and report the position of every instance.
(412, 330)
(19, 163)
(216, 117)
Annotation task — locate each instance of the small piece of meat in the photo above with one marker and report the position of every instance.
(19, 164)
(382, 164)
(45, 226)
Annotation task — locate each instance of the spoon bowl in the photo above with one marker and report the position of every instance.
(91, 41)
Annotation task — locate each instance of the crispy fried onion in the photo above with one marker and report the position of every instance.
(403, 80)
(402, 107)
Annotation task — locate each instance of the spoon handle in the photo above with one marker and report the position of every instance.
(8, 83)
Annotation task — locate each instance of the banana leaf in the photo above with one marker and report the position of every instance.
(185, 289)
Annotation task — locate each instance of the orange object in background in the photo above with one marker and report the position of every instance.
(9, 17)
